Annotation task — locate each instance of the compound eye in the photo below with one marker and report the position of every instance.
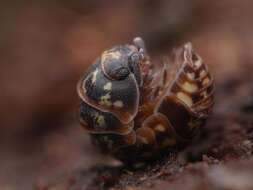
(114, 69)
(134, 65)
(119, 74)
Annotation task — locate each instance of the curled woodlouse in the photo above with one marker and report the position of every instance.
(135, 109)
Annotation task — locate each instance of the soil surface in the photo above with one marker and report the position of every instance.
(219, 158)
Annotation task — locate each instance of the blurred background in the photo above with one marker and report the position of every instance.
(46, 45)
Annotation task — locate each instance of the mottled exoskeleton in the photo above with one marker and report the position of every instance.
(135, 109)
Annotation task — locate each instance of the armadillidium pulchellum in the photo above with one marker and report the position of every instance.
(135, 109)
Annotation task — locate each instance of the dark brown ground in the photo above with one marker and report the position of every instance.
(46, 45)
(220, 158)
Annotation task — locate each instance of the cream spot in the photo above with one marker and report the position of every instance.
(159, 128)
(191, 75)
(108, 86)
(100, 120)
(115, 55)
(202, 73)
(105, 100)
(94, 76)
(144, 140)
(110, 55)
(198, 63)
(204, 94)
(185, 98)
(118, 104)
(206, 81)
(190, 87)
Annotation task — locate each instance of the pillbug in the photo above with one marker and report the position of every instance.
(135, 109)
